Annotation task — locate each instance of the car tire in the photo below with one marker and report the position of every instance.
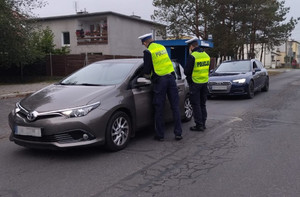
(118, 131)
(250, 93)
(188, 110)
(266, 86)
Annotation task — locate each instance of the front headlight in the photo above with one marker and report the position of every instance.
(239, 81)
(80, 111)
(16, 109)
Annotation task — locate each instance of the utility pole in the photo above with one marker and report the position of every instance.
(75, 6)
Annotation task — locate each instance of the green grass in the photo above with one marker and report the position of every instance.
(274, 72)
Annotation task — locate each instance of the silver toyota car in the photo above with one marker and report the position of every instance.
(103, 103)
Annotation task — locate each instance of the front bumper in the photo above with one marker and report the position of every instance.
(31, 143)
(227, 88)
(60, 132)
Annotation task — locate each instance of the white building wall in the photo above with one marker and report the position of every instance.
(267, 59)
(58, 27)
(71, 25)
(123, 36)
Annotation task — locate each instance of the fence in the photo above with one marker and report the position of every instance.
(63, 65)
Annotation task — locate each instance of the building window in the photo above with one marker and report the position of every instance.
(66, 38)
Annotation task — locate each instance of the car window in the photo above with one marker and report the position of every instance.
(234, 66)
(254, 66)
(101, 73)
(259, 64)
(177, 70)
(139, 73)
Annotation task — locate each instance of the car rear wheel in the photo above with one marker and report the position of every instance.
(266, 86)
(188, 110)
(118, 131)
(250, 93)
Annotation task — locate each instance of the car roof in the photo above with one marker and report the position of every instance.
(129, 60)
(240, 60)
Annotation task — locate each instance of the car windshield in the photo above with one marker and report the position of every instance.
(100, 73)
(235, 66)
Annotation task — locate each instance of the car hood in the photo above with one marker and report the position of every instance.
(57, 97)
(227, 76)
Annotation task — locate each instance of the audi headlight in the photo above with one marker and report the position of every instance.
(239, 81)
(80, 111)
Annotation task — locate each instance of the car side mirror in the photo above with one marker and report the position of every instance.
(142, 81)
(256, 70)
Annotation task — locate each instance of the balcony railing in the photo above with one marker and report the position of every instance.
(91, 38)
(86, 40)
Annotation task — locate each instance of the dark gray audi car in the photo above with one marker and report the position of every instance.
(238, 77)
(103, 103)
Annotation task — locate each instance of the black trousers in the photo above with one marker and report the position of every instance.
(198, 97)
(166, 86)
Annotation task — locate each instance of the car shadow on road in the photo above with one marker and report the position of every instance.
(64, 154)
(233, 97)
(81, 152)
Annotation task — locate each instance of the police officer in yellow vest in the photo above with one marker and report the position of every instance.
(197, 73)
(158, 65)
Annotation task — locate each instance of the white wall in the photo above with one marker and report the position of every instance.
(123, 36)
(71, 25)
(266, 57)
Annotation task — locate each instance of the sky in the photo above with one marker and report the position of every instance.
(143, 8)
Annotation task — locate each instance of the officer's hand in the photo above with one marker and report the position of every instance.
(147, 76)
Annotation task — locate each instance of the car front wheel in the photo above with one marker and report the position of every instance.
(266, 86)
(118, 131)
(188, 110)
(250, 93)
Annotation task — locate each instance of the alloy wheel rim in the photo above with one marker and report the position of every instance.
(188, 108)
(120, 130)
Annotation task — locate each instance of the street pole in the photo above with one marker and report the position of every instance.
(51, 70)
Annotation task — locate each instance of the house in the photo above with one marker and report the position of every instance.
(106, 33)
(280, 56)
(290, 52)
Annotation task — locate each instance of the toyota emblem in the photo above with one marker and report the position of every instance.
(32, 116)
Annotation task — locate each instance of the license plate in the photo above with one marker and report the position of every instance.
(28, 131)
(219, 87)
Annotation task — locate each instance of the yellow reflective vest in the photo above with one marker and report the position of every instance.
(201, 67)
(161, 62)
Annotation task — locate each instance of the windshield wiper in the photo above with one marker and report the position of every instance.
(61, 83)
(80, 84)
(88, 84)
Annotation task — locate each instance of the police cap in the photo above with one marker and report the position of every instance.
(192, 40)
(145, 37)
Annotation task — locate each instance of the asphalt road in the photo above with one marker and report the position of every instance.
(251, 148)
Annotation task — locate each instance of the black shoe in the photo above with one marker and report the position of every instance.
(159, 138)
(197, 128)
(204, 127)
(178, 137)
